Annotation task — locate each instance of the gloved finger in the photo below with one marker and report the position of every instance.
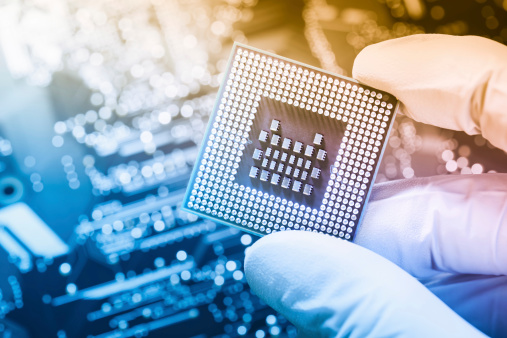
(454, 224)
(454, 82)
(480, 300)
(328, 287)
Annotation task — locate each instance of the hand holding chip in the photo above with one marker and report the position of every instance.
(449, 232)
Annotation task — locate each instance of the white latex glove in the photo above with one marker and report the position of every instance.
(453, 82)
(449, 232)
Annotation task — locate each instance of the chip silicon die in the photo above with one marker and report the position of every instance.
(289, 147)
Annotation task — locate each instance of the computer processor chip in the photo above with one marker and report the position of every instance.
(289, 147)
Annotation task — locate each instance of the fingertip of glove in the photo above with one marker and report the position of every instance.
(269, 249)
(362, 63)
(281, 244)
(285, 263)
(321, 283)
(285, 254)
(376, 64)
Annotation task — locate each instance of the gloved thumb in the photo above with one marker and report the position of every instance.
(329, 287)
(453, 82)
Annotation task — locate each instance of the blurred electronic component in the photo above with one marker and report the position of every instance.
(308, 189)
(318, 139)
(254, 172)
(263, 136)
(275, 139)
(275, 125)
(275, 179)
(11, 190)
(321, 155)
(298, 146)
(257, 154)
(286, 143)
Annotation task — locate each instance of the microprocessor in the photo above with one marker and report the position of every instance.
(289, 147)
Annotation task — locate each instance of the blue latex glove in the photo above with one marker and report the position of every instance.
(432, 253)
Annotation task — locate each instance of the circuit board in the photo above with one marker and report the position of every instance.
(289, 147)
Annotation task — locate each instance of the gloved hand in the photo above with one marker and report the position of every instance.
(431, 259)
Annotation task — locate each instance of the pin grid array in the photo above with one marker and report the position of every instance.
(252, 75)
